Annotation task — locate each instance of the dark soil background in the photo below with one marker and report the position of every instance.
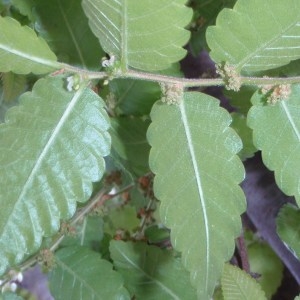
(264, 200)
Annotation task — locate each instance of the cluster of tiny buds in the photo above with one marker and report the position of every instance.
(12, 285)
(172, 93)
(276, 93)
(230, 76)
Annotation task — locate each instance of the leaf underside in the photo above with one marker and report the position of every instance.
(238, 285)
(22, 52)
(197, 173)
(51, 150)
(146, 35)
(276, 132)
(255, 41)
(151, 273)
(81, 274)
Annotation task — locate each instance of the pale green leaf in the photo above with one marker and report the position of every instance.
(265, 262)
(146, 35)
(13, 85)
(254, 41)
(22, 52)
(288, 227)
(10, 296)
(151, 273)
(52, 148)
(297, 298)
(64, 26)
(82, 274)
(276, 132)
(197, 174)
(238, 285)
(25, 7)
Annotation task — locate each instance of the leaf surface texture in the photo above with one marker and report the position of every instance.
(197, 172)
(51, 150)
(146, 35)
(254, 41)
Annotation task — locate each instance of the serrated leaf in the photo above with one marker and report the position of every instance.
(151, 273)
(254, 41)
(276, 132)
(52, 148)
(146, 35)
(288, 227)
(22, 51)
(238, 285)
(197, 173)
(13, 85)
(81, 274)
(64, 25)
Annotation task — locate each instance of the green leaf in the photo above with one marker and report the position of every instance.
(10, 296)
(130, 142)
(22, 51)
(254, 41)
(25, 7)
(197, 174)
(238, 285)
(297, 298)
(288, 227)
(81, 274)
(146, 35)
(64, 25)
(276, 132)
(239, 124)
(13, 86)
(52, 148)
(151, 273)
(265, 262)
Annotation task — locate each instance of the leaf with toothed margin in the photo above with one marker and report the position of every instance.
(197, 173)
(51, 150)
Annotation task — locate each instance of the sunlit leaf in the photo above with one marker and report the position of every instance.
(254, 41)
(52, 148)
(81, 274)
(146, 35)
(276, 132)
(22, 52)
(151, 273)
(238, 285)
(197, 172)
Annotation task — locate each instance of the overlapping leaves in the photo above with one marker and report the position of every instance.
(197, 175)
(254, 41)
(52, 148)
(146, 35)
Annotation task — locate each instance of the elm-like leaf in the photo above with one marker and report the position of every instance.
(197, 173)
(22, 52)
(253, 41)
(146, 35)
(276, 132)
(82, 274)
(51, 150)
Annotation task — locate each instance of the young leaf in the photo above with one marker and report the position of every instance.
(288, 227)
(276, 132)
(52, 148)
(151, 273)
(197, 173)
(146, 35)
(81, 274)
(64, 25)
(238, 285)
(255, 41)
(22, 51)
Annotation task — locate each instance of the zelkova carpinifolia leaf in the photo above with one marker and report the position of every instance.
(22, 52)
(238, 285)
(254, 41)
(51, 150)
(197, 176)
(81, 273)
(276, 132)
(146, 35)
